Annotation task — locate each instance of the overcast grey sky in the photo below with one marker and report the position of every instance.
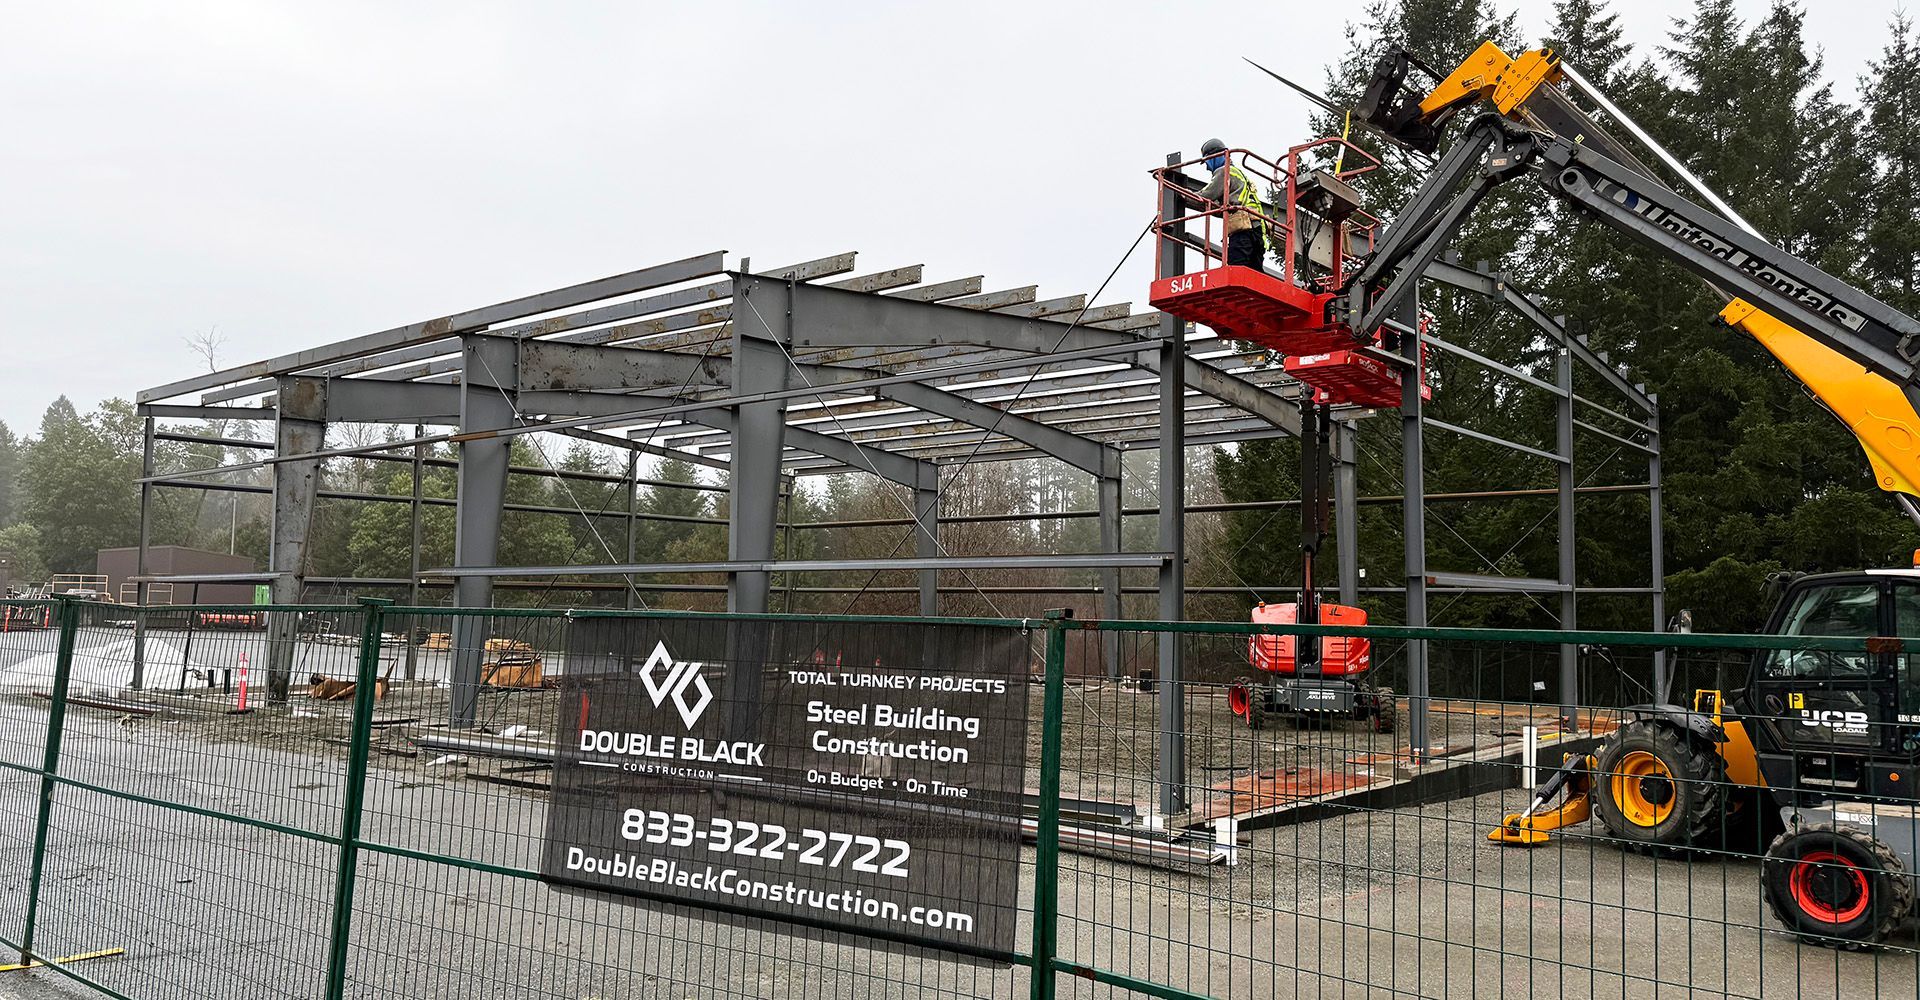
(297, 173)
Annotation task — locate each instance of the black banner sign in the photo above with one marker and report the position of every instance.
(858, 777)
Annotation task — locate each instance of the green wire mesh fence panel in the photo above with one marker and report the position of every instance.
(449, 900)
(211, 761)
(189, 827)
(27, 646)
(1324, 858)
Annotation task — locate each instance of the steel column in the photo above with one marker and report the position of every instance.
(1107, 489)
(1346, 512)
(485, 405)
(1569, 601)
(763, 322)
(762, 328)
(633, 501)
(1414, 529)
(926, 534)
(140, 555)
(299, 428)
(1658, 556)
(1173, 500)
(787, 485)
(413, 559)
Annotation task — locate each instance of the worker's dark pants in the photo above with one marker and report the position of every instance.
(1246, 248)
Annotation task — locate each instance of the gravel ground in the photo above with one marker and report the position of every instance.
(1406, 902)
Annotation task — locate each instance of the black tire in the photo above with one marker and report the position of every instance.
(1386, 713)
(1256, 702)
(1683, 809)
(1836, 886)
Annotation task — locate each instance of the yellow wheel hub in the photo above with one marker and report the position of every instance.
(1643, 789)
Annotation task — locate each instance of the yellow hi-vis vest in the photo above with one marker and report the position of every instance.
(1244, 198)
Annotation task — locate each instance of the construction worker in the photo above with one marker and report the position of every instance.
(1246, 246)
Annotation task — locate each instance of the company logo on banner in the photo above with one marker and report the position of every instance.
(681, 676)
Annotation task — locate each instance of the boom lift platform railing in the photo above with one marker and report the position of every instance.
(1313, 222)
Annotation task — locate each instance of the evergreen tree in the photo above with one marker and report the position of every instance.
(379, 545)
(78, 486)
(533, 538)
(661, 540)
(10, 448)
(1261, 548)
(1586, 33)
(1891, 92)
(20, 549)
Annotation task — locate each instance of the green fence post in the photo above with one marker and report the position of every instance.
(365, 678)
(1046, 860)
(67, 619)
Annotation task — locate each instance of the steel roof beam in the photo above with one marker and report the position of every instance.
(1056, 396)
(706, 328)
(856, 320)
(448, 348)
(360, 401)
(642, 446)
(958, 444)
(837, 318)
(1061, 396)
(547, 365)
(437, 329)
(1076, 451)
(1113, 418)
(944, 289)
(707, 322)
(177, 411)
(863, 457)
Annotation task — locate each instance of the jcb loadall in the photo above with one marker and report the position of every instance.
(1831, 738)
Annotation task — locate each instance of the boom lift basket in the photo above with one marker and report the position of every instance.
(1312, 221)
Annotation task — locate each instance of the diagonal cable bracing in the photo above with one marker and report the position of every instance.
(1005, 407)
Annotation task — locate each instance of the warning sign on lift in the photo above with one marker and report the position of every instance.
(853, 777)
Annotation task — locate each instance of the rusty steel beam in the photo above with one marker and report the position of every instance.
(439, 329)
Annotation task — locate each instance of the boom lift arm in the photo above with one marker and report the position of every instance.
(1860, 356)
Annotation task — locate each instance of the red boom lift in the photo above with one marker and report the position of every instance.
(1313, 219)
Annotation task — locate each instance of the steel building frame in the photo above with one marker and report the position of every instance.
(805, 370)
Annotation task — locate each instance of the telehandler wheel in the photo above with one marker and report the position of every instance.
(1658, 787)
(1836, 886)
(1386, 716)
